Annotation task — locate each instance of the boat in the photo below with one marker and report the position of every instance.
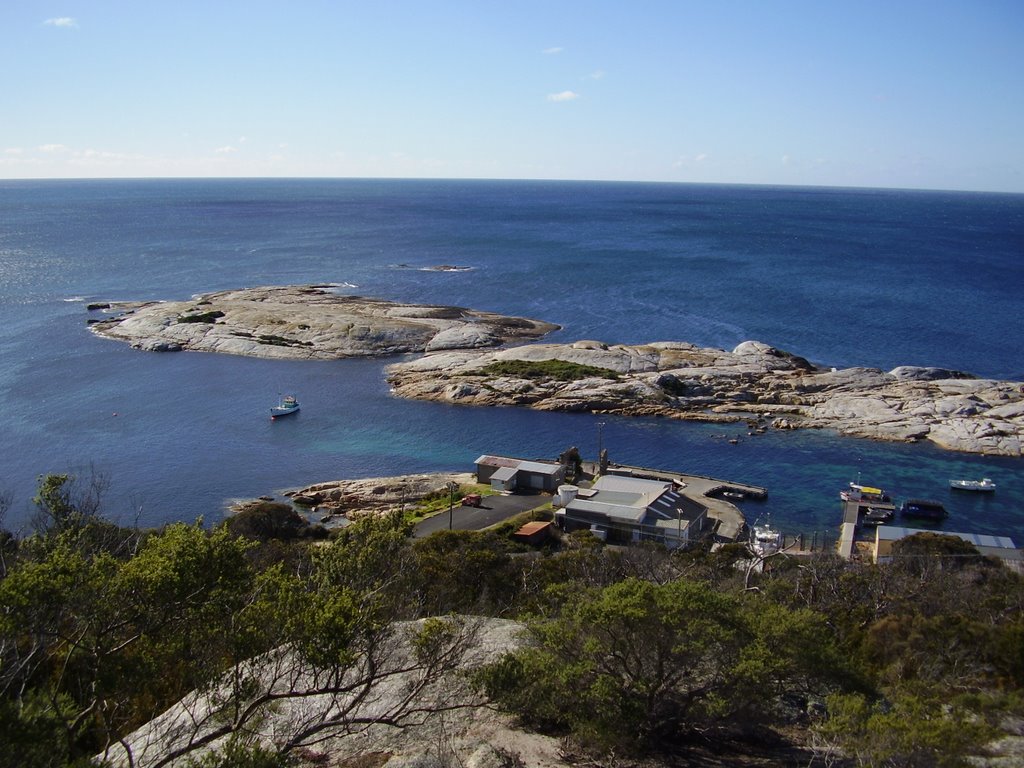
(865, 493)
(286, 407)
(877, 515)
(926, 509)
(985, 485)
(765, 540)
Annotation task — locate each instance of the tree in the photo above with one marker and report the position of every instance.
(289, 662)
(629, 664)
(464, 571)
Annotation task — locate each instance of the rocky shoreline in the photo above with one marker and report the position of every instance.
(306, 322)
(375, 495)
(756, 383)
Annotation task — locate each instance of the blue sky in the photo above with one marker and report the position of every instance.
(881, 94)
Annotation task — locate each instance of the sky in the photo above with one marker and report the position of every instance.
(865, 93)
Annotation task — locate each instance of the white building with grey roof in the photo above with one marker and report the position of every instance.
(631, 510)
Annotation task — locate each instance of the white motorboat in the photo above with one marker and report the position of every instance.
(985, 485)
(765, 540)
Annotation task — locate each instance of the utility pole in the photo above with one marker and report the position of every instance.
(452, 485)
(600, 441)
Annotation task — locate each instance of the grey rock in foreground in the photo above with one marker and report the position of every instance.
(448, 720)
(754, 382)
(308, 322)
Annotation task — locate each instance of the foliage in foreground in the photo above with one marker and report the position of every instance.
(636, 650)
(637, 664)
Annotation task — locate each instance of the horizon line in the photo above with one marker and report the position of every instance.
(770, 185)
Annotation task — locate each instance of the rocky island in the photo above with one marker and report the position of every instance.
(755, 382)
(308, 322)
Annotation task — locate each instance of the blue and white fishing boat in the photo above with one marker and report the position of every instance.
(286, 407)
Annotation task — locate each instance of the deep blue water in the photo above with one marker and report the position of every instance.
(842, 277)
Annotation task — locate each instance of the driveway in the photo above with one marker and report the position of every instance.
(492, 510)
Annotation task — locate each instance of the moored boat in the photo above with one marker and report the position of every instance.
(286, 407)
(877, 515)
(926, 509)
(765, 540)
(865, 494)
(985, 485)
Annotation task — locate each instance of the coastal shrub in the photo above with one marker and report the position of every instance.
(560, 370)
(272, 520)
(201, 317)
(636, 666)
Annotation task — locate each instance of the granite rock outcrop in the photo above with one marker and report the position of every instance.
(754, 382)
(307, 322)
(375, 495)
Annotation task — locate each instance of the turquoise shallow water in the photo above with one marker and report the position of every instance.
(842, 277)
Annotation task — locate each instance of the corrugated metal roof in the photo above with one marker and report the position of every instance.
(497, 461)
(620, 511)
(894, 533)
(504, 473)
(539, 467)
(631, 484)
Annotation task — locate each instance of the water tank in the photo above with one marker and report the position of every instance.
(566, 493)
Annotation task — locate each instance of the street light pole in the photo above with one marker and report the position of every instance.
(600, 443)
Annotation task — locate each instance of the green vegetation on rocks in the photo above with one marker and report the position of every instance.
(201, 317)
(559, 370)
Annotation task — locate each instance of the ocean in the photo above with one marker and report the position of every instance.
(842, 277)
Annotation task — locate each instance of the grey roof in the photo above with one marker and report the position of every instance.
(497, 461)
(540, 467)
(504, 473)
(638, 501)
(537, 467)
(613, 509)
(894, 533)
(630, 484)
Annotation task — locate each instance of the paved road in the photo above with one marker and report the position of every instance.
(493, 510)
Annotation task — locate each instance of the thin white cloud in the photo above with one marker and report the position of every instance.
(14, 151)
(61, 21)
(597, 74)
(553, 50)
(685, 161)
(53, 148)
(563, 96)
(225, 150)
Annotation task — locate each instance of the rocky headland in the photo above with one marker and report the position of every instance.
(755, 382)
(309, 322)
(375, 495)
